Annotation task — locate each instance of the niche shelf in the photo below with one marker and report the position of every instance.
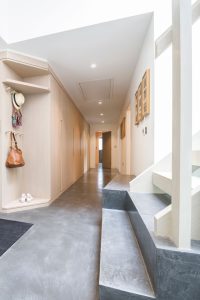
(25, 70)
(17, 205)
(25, 87)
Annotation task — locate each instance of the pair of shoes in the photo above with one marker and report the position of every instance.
(23, 198)
(29, 197)
(26, 198)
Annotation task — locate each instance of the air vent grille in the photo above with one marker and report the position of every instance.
(97, 90)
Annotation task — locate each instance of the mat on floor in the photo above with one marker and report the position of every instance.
(10, 232)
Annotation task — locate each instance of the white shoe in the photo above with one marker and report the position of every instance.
(23, 198)
(29, 197)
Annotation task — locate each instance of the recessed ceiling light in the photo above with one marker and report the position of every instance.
(102, 121)
(101, 114)
(93, 66)
(99, 102)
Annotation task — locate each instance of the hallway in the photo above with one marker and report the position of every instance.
(58, 258)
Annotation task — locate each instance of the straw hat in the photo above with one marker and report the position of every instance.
(17, 100)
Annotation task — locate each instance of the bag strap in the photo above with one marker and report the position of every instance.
(11, 139)
(13, 136)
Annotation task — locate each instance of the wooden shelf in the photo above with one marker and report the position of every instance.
(25, 70)
(16, 204)
(25, 87)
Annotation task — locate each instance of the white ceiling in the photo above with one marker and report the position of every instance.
(21, 20)
(113, 46)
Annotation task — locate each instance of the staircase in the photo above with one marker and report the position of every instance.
(138, 259)
(158, 179)
(135, 264)
(163, 181)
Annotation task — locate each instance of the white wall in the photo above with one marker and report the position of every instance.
(163, 105)
(142, 148)
(114, 149)
(195, 77)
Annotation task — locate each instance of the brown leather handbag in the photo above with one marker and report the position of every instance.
(15, 157)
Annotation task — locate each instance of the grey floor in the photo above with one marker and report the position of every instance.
(120, 182)
(58, 258)
(122, 265)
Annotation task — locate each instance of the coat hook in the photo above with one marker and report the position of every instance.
(10, 90)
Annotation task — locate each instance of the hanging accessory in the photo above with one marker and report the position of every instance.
(17, 100)
(15, 157)
(16, 118)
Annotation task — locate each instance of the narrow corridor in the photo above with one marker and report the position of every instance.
(58, 258)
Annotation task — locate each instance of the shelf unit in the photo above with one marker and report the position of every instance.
(24, 69)
(29, 77)
(25, 87)
(16, 204)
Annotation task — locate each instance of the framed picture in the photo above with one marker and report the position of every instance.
(140, 103)
(123, 128)
(136, 109)
(146, 93)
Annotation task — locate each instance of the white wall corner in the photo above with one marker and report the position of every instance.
(162, 222)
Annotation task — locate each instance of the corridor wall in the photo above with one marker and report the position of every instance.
(142, 145)
(69, 139)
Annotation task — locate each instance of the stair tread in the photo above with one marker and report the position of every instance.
(195, 180)
(122, 266)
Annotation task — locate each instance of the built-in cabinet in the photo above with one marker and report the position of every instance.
(50, 137)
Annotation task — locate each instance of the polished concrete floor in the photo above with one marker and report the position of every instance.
(58, 258)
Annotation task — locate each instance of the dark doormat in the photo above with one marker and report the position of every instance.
(10, 232)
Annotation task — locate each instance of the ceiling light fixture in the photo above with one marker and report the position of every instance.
(99, 102)
(101, 114)
(93, 66)
(102, 121)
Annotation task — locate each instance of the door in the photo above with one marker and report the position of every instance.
(98, 135)
(106, 157)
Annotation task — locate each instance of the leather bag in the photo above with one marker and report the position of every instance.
(15, 157)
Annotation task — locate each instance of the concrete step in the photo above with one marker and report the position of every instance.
(163, 180)
(123, 273)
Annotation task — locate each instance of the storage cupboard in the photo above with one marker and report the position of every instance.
(46, 136)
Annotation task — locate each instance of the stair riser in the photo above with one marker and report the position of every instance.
(107, 293)
(114, 199)
(163, 183)
(144, 239)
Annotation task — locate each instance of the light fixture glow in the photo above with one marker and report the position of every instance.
(102, 121)
(99, 102)
(101, 114)
(93, 66)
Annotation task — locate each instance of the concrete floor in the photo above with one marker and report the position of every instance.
(58, 258)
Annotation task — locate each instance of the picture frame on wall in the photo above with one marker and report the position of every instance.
(140, 103)
(136, 109)
(146, 92)
(123, 128)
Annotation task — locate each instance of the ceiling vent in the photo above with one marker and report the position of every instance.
(97, 90)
